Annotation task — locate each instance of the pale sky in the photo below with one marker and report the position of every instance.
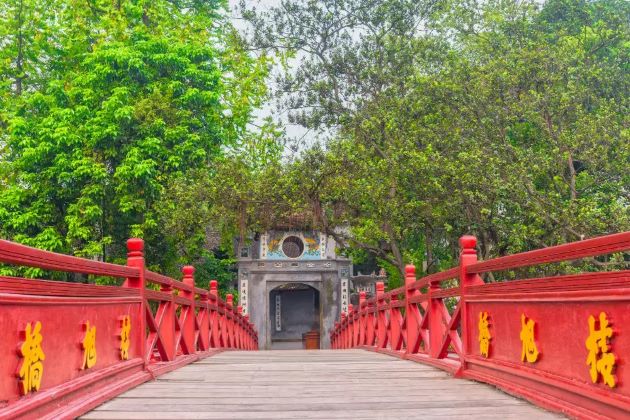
(302, 136)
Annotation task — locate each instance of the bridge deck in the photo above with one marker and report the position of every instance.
(312, 385)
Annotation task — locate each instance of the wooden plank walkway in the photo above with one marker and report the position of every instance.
(299, 384)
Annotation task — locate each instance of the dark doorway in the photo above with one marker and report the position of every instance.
(293, 311)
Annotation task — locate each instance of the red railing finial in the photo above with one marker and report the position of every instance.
(380, 287)
(410, 274)
(135, 247)
(188, 271)
(468, 244)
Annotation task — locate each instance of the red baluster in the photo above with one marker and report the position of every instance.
(350, 326)
(166, 312)
(362, 318)
(248, 336)
(229, 317)
(371, 318)
(437, 329)
(467, 257)
(344, 331)
(395, 324)
(381, 322)
(203, 315)
(135, 258)
(412, 314)
(187, 316)
(239, 329)
(215, 321)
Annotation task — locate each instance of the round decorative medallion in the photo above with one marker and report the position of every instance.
(292, 246)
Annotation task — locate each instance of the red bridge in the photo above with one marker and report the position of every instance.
(559, 342)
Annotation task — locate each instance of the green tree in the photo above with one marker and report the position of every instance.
(507, 120)
(121, 102)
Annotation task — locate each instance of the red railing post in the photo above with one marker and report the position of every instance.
(239, 328)
(362, 325)
(135, 258)
(203, 342)
(248, 336)
(412, 314)
(215, 320)
(370, 334)
(229, 320)
(437, 329)
(344, 331)
(188, 314)
(381, 317)
(467, 257)
(395, 323)
(167, 312)
(350, 325)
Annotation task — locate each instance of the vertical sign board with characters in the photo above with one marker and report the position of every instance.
(244, 296)
(278, 313)
(344, 296)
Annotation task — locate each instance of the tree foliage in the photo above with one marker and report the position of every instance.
(111, 112)
(507, 120)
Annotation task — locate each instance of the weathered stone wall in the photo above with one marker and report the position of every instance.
(263, 276)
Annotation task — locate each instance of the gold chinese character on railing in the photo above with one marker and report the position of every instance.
(89, 346)
(125, 337)
(528, 340)
(484, 334)
(596, 344)
(32, 368)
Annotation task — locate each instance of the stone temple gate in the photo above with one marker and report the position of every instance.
(292, 282)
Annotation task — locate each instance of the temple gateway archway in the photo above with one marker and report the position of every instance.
(297, 272)
(294, 311)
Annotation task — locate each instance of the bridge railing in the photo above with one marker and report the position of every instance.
(561, 341)
(67, 347)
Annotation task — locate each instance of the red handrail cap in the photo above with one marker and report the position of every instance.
(468, 242)
(135, 244)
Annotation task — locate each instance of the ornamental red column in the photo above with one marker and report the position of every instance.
(203, 315)
(412, 314)
(370, 334)
(395, 324)
(350, 337)
(344, 330)
(166, 312)
(135, 258)
(215, 323)
(248, 335)
(188, 326)
(229, 318)
(381, 321)
(437, 329)
(362, 318)
(467, 257)
(239, 330)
